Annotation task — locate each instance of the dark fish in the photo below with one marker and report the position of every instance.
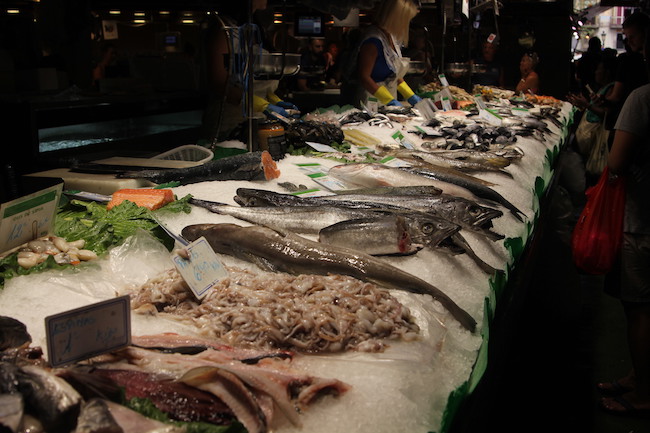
(54, 401)
(95, 417)
(466, 213)
(460, 242)
(13, 333)
(476, 188)
(286, 252)
(245, 166)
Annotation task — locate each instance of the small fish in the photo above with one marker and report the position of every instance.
(245, 166)
(286, 252)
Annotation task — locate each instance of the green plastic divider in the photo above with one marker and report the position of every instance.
(515, 246)
(480, 366)
(454, 401)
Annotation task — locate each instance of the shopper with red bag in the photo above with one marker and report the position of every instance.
(630, 156)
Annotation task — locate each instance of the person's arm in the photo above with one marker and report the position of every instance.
(622, 152)
(367, 59)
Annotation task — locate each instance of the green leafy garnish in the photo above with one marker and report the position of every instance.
(146, 407)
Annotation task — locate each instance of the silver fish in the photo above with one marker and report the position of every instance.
(302, 219)
(11, 412)
(95, 417)
(286, 252)
(442, 160)
(245, 166)
(370, 174)
(392, 234)
(466, 213)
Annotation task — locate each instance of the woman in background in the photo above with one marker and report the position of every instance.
(380, 67)
(529, 82)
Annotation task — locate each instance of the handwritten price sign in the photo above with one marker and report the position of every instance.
(88, 331)
(201, 269)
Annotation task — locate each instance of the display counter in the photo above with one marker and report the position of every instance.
(414, 386)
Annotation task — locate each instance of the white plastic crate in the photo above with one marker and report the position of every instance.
(188, 152)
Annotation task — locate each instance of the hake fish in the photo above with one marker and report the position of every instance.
(391, 234)
(302, 219)
(373, 175)
(245, 166)
(465, 213)
(281, 251)
(370, 175)
(463, 164)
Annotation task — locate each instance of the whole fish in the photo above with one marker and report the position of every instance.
(466, 213)
(479, 189)
(244, 166)
(368, 175)
(391, 234)
(281, 251)
(302, 219)
(441, 160)
(371, 174)
(481, 157)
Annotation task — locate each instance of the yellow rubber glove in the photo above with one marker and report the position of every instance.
(383, 95)
(259, 103)
(273, 98)
(405, 90)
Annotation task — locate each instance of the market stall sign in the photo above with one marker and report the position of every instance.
(28, 217)
(88, 331)
(200, 267)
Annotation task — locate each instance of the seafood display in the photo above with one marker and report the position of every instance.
(214, 384)
(245, 166)
(286, 252)
(307, 313)
(384, 265)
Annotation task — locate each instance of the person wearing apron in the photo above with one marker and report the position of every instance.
(380, 66)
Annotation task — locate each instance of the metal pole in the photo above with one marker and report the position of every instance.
(249, 68)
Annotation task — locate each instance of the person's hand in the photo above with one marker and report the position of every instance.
(394, 103)
(287, 105)
(279, 110)
(414, 100)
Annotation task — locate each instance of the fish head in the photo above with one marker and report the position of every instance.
(474, 215)
(249, 197)
(428, 230)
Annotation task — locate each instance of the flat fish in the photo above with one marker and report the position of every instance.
(286, 252)
(245, 166)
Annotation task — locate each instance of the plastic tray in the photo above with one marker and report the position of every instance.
(189, 152)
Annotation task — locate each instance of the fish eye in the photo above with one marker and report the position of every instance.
(427, 228)
(474, 211)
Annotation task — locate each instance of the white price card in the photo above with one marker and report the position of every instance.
(28, 217)
(199, 267)
(320, 147)
(88, 331)
(443, 80)
(399, 137)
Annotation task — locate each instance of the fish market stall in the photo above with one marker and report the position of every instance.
(397, 341)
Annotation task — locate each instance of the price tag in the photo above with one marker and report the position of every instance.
(446, 104)
(372, 105)
(399, 137)
(391, 161)
(320, 147)
(88, 331)
(490, 117)
(443, 80)
(200, 268)
(28, 217)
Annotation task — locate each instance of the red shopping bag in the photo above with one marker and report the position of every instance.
(598, 234)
